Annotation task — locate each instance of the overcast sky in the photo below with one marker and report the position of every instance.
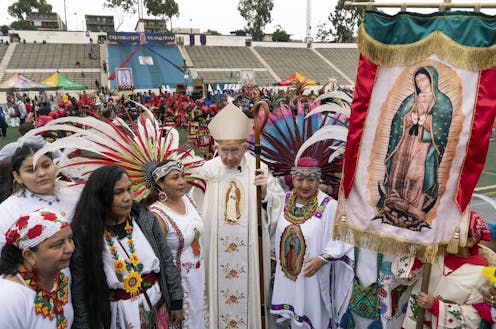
(219, 15)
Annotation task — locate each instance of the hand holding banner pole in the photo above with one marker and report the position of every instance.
(426, 276)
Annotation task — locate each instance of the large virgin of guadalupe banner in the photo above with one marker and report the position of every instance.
(421, 118)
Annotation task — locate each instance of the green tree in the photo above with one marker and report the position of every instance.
(324, 33)
(157, 8)
(344, 23)
(21, 9)
(22, 25)
(280, 35)
(213, 32)
(4, 29)
(162, 8)
(127, 5)
(239, 33)
(257, 14)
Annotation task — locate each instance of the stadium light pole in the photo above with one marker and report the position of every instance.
(186, 75)
(65, 16)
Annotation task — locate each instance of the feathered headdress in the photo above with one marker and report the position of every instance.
(135, 147)
(318, 132)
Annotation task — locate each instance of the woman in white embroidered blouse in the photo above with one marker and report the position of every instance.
(33, 187)
(183, 227)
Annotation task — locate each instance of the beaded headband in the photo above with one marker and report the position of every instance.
(306, 171)
(164, 170)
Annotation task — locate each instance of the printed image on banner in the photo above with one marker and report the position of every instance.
(419, 131)
(408, 177)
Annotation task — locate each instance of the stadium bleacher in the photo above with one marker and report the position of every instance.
(212, 63)
(3, 49)
(287, 61)
(54, 56)
(346, 59)
(262, 78)
(222, 57)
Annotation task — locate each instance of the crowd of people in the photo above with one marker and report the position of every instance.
(88, 254)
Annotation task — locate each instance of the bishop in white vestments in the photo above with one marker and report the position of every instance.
(231, 233)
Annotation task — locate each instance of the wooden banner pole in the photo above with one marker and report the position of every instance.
(426, 276)
(259, 126)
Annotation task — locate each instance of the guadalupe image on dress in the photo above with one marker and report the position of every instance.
(418, 139)
(232, 204)
(292, 251)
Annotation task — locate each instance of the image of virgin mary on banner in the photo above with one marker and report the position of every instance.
(419, 130)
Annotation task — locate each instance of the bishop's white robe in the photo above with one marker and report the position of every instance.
(229, 210)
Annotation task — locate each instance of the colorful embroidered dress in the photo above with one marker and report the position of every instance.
(184, 240)
(392, 296)
(457, 291)
(131, 313)
(310, 302)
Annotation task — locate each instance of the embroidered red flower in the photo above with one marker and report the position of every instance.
(35, 231)
(49, 216)
(22, 222)
(12, 236)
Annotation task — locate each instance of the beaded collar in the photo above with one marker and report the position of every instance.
(49, 304)
(299, 215)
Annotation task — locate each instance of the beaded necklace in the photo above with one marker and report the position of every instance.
(298, 215)
(49, 304)
(132, 281)
(50, 201)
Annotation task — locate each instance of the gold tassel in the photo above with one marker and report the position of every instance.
(453, 243)
(340, 226)
(427, 253)
(464, 57)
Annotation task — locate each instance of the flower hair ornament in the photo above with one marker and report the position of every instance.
(27, 232)
(136, 147)
(32, 229)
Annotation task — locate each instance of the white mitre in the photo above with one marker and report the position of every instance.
(230, 126)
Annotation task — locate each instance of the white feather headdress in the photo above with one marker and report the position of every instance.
(135, 147)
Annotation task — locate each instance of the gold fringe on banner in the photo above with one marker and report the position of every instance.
(464, 57)
(427, 253)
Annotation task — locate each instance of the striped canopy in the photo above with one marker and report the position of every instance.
(19, 82)
(59, 81)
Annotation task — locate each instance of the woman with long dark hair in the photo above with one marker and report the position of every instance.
(34, 187)
(124, 273)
